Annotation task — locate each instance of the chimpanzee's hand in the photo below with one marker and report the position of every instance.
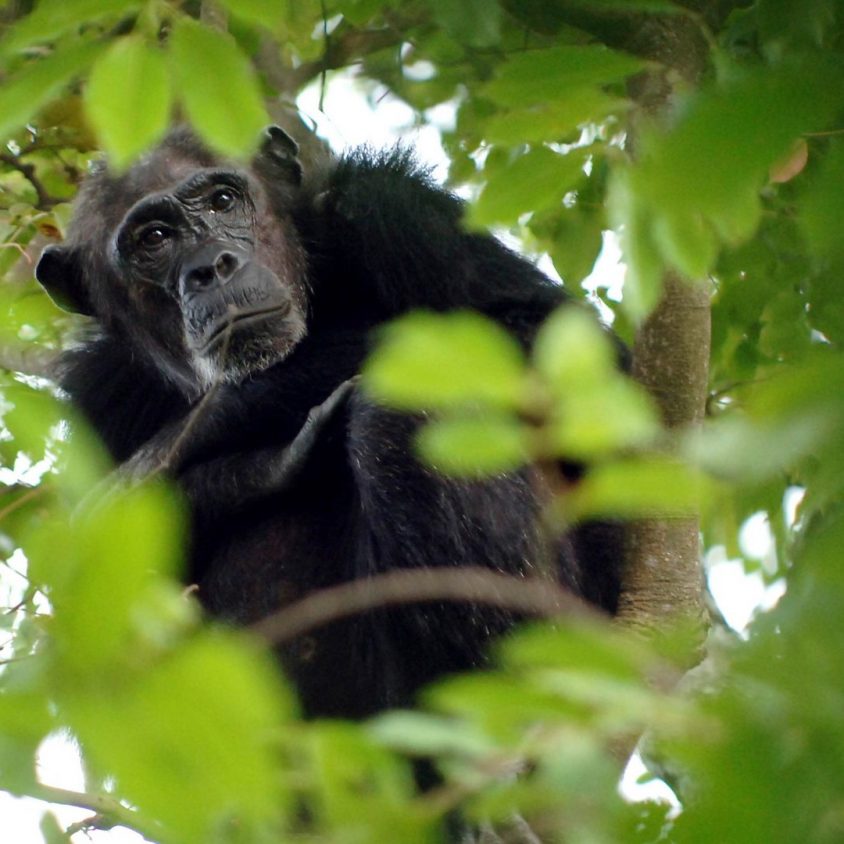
(230, 482)
(287, 465)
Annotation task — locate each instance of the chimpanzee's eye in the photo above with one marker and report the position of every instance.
(222, 199)
(154, 235)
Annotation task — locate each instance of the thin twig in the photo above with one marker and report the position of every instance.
(102, 805)
(19, 502)
(532, 596)
(45, 199)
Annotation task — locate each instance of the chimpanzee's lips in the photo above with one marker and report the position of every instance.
(237, 320)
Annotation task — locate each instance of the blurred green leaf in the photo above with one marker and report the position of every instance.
(823, 207)
(534, 180)
(421, 734)
(703, 178)
(551, 121)
(589, 646)
(218, 88)
(364, 791)
(540, 76)
(52, 830)
(427, 360)
(190, 741)
(25, 720)
(572, 350)
(476, 23)
(128, 99)
(638, 488)
(577, 242)
(32, 87)
(604, 418)
(630, 215)
(111, 557)
(474, 446)
(269, 14)
(52, 18)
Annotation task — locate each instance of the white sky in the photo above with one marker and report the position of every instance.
(348, 120)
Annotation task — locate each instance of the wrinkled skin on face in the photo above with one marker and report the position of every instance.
(196, 261)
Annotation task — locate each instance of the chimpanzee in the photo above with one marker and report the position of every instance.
(254, 291)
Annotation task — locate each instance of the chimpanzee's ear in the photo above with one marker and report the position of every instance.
(60, 274)
(280, 152)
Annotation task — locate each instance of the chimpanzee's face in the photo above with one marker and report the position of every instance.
(191, 260)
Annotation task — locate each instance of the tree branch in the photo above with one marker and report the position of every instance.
(109, 810)
(534, 596)
(45, 200)
(345, 46)
(28, 359)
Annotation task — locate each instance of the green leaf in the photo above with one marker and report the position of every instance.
(359, 12)
(550, 121)
(823, 207)
(218, 88)
(427, 735)
(474, 446)
(533, 181)
(687, 243)
(657, 7)
(638, 488)
(364, 790)
(190, 742)
(584, 645)
(128, 98)
(269, 14)
(572, 351)
(630, 214)
(53, 18)
(427, 360)
(51, 830)
(613, 414)
(540, 76)
(102, 573)
(718, 156)
(576, 244)
(476, 23)
(25, 93)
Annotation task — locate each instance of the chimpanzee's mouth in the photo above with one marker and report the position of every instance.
(238, 321)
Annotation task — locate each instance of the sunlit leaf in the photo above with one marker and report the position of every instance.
(52, 18)
(607, 417)
(638, 488)
(537, 76)
(269, 14)
(424, 735)
(534, 180)
(190, 742)
(218, 88)
(364, 788)
(473, 446)
(550, 121)
(128, 98)
(630, 214)
(572, 350)
(111, 559)
(24, 93)
(428, 360)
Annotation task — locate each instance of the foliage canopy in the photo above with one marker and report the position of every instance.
(187, 732)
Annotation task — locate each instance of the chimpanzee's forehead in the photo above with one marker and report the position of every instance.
(106, 198)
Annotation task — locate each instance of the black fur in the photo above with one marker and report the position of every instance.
(380, 239)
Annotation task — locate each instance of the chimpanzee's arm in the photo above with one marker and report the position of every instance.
(229, 482)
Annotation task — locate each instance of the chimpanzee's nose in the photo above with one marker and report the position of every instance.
(212, 264)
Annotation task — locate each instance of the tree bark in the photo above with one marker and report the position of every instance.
(663, 578)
